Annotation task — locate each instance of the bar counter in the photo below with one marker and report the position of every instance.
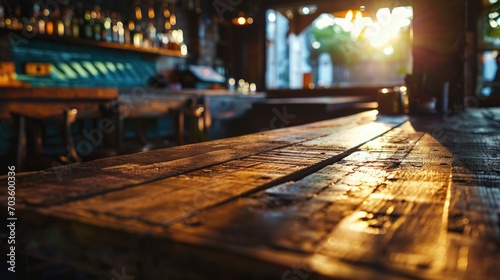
(42, 101)
(358, 197)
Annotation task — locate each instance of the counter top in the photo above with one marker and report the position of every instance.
(195, 92)
(43, 101)
(52, 93)
(358, 197)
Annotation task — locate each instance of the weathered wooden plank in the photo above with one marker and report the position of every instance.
(381, 231)
(150, 223)
(406, 204)
(296, 215)
(71, 182)
(474, 212)
(416, 239)
(167, 200)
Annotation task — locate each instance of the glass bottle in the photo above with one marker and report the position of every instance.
(130, 32)
(150, 31)
(107, 35)
(58, 23)
(32, 26)
(96, 16)
(17, 24)
(77, 21)
(138, 38)
(67, 19)
(151, 35)
(88, 29)
(7, 15)
(41, 22)
(114, 28)
(162, 35)
(122, 31)
(49, 23)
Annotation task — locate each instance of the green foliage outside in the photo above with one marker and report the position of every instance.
(346, 50)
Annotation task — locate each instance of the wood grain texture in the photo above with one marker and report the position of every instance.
(353, 198)
(70, 182)
(198, 189)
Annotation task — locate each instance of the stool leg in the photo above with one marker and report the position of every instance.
(180, 127)
(207, 120)
(118, 118)
(140, 133)
(38, 138)
(21, 142)
(69, 117)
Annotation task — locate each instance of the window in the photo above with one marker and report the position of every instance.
(489, 56)
(309, 49)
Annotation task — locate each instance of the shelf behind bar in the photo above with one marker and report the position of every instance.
(19, 36)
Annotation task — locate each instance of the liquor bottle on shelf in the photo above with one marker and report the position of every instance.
(129, 32)
(165, 39)
(96, 16)
(88, 29)
(107, 35)
(114, 28)
(17, 24)
(122, 32)
(7, 15)
(138, 38)
(58, 23)
(146, 41)
(151, 35)
(162, 35)
(42, 19)
(48, 22)
(66, 19)
(32, 25)
(78, 21)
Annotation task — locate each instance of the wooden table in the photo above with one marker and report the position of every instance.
(358, 197)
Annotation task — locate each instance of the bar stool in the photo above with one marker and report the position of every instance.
(35, 156)
(37, 125)
(105, 126)
(137, 116)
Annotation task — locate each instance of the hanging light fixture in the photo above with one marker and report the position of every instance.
(242, 19)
